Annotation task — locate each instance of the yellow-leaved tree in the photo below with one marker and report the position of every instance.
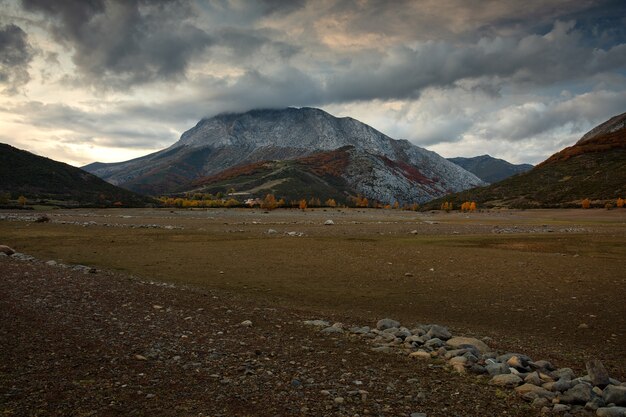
(586, 203)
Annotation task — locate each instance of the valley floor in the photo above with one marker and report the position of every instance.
(160, 332)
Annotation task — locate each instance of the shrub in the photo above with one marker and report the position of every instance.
(586, 203)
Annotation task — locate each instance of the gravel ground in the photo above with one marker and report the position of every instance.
(106, 344)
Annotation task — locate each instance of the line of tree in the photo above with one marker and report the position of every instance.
(271, 202)
(619, 203)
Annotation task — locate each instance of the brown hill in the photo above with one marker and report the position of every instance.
(594, 168)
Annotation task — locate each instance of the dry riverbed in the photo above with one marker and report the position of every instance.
(549, 284)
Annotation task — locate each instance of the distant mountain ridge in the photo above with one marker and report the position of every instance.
(229, 140)
(592, 168)
(37, 177)
(490, 169)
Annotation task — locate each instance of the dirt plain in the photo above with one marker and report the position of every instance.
(547, 283)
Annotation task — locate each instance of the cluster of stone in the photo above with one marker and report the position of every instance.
(551, 389)
(40, 219)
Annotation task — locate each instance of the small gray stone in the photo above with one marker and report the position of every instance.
(497, 369)
(329, 222)
(534, 379)
(597, 373)
(611, 412)
(595, 403)
(561, 408)
(434, 343)
(615, 395)
(506, 380)
(566, 373)
(332, 329)
(439, 332)
(387, 324)
(523, 358)
(317, 323)
(415, 339)
(562, 385)
(540, 402)
(6, 250)
(579, 394)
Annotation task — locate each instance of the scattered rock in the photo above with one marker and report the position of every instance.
(6, 250)
(246, 323)
(561, 408)
(420, 354)
(439, 332)
(317, 323)
(597, 373)
(578, 394)
(329, 222)
(615, 394)
(332, 329)
(539, 391)
(506, 380)
(385, 324)
(460, 342)
(611, 412)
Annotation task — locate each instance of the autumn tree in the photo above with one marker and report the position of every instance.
(447, 206)
(620, 202)
(302, 204)
(472, 206)
(361, 201)
(586, 203)
(269, 202)
(331, 202)
(21, 200)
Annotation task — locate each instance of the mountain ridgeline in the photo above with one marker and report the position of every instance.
(37, 178)
(373, 164)
(594, 168)
(490, 169)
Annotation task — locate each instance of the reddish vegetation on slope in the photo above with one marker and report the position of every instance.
(248, 169)
(333, 163)
(601, 143)
(409, 171)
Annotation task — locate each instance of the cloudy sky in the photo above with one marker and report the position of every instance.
(108, 80)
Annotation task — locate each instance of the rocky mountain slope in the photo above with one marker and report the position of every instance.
(336, 174)
(592, 168)
(490, 169)
(229, 140)
(36, 177)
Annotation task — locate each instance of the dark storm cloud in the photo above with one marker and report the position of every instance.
(403, 72)
(125, 42)
(15, 56)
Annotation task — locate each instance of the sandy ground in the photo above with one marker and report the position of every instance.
(550, 284)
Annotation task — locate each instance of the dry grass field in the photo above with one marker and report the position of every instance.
(549, 283)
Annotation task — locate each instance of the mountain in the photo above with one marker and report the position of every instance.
(592, 168)
(36, 177)
(490, 169)
(228, 140)
(336, 174)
